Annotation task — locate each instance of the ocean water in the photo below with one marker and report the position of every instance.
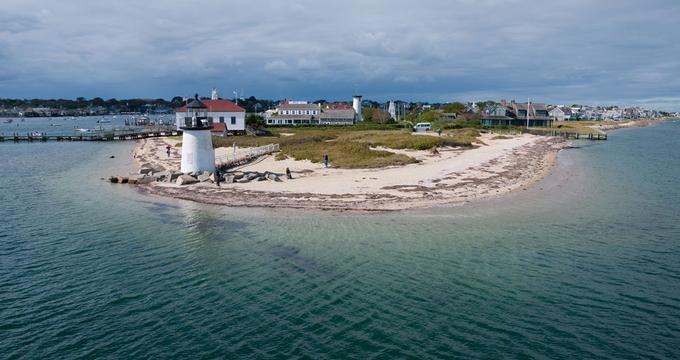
(586, 264)
(68, 126)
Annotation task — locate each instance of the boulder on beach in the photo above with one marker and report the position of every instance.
(144, 180)
(161, 175)
(186, 180)
(229, 179)
(113, 179)
(204, 177)
(145, 170)
(173, 176)
(271, 176)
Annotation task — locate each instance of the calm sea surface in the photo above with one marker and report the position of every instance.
(584, 265)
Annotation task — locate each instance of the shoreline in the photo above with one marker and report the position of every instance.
(453, 177)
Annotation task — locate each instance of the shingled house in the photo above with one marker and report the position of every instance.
(517, 114)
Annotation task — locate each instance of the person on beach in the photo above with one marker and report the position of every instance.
(325, 160)
(439, 131)
(288, 174)
(217, 177)
(167, 150)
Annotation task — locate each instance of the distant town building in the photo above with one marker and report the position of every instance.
(293, 113)
(517, 114)
(219, 111)
(559, 113)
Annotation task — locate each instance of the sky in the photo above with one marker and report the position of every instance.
(623, 52)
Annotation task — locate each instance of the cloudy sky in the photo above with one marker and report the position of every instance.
(586, 51)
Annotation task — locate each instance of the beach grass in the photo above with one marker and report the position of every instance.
(345, 155)
(352, 148)
(581, 127)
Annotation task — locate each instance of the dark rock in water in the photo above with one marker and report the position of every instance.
(122, 179)
(114, 179)
(111, 157)
(186, 180)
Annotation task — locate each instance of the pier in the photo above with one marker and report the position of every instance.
(600, 135)
(95, 136)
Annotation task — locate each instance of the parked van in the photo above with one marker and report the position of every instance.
(422, 127)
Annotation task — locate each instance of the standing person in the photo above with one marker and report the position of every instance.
(439, 131)
(288, 174)
(325, 160)
(217, 177)
(167, 150)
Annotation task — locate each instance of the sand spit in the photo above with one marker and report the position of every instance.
(450, 177)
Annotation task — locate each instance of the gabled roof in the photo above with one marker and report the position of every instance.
(298, 107)
(218, 127)
(338, 114)
(219, 105)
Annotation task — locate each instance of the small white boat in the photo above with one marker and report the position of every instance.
(86, 130)
(35, 133)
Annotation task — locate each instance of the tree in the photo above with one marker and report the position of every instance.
(367, 113)
(429, 116)
(255, 121)
(380, 116)
(455, 107)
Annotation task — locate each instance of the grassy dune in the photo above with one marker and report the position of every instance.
(352, 149)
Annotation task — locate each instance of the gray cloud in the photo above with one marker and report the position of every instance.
(567, 51)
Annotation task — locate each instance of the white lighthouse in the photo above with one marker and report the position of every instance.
(197, 151)
(356, 104)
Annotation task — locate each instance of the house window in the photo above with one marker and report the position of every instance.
(233, 120)
(221, 119)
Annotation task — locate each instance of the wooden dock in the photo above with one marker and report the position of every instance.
(97, 136)
(568, 134)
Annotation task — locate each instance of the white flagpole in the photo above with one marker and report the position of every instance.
(528, 107)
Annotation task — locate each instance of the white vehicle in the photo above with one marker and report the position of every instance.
(422, 127)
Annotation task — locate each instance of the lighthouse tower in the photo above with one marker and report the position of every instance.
(197, 150)
(356, 104)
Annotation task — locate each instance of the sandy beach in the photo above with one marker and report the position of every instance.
(453, 176)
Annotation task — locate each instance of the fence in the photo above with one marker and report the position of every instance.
(243, 157)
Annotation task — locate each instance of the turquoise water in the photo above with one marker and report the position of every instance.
(584, 265)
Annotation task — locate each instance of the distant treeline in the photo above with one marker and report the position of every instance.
(251, 104)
